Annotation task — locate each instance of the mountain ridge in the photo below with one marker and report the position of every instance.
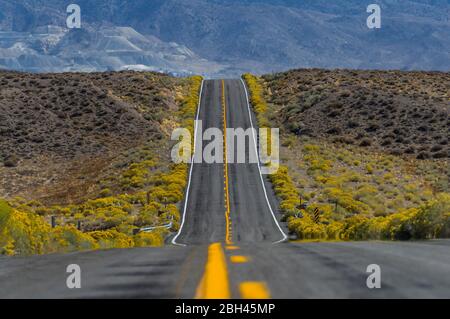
(261, 36)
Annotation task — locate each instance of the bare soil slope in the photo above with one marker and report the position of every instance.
(58, 132)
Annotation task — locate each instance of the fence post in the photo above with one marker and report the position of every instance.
(53, 221)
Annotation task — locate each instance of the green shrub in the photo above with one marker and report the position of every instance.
(5, 212)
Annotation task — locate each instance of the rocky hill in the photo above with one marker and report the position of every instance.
(402, 113)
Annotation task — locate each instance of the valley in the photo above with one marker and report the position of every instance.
(235, 233)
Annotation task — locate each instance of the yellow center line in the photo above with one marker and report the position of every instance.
(215, 282)
(254, 290)
(225, 156)
(239, 259)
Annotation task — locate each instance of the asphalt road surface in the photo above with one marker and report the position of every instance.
(232, 244)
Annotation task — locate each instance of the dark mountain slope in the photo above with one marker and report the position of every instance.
(267, 36)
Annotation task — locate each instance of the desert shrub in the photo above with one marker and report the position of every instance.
(155, 238)
(365, 142)
(256, 95)
(67, 239)
(138, 174)
(24, 233)
(317, 163)
(306, 229)
(5, 212)
(149, 214)
(190, 103)
(285, 189)
(360, 196)
(345, 200)
(106, 192)
(260, 108)
(171, 212)
(112, 239)
(6, 242)
(431, 220)
(108, 202)
(110, 219)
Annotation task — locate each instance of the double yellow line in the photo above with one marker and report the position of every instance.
(225, 166)
(215, 281)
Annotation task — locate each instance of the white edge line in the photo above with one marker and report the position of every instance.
(259, 167)
(174, 240)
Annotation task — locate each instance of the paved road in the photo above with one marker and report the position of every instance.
(226, 246)
(250, 217)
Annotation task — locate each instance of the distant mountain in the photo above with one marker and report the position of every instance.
(55, 49)
(226, 37)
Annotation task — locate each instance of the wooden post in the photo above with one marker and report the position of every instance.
(53, 221)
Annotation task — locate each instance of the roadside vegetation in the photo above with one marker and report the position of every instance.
(140, 188)
(330, 189)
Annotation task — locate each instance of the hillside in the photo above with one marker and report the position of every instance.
(218, 37)
(90, 152)
(367, 150)
(394, 112)
(61, 132)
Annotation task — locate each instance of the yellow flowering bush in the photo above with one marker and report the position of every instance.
(256, 97)
(110, 220)
(154, 238)
(306, 229)
(190, 103)
(360, 196)
(285, 189)
(24, 233)
(431, 220)
(68, 239)
(112, 239)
